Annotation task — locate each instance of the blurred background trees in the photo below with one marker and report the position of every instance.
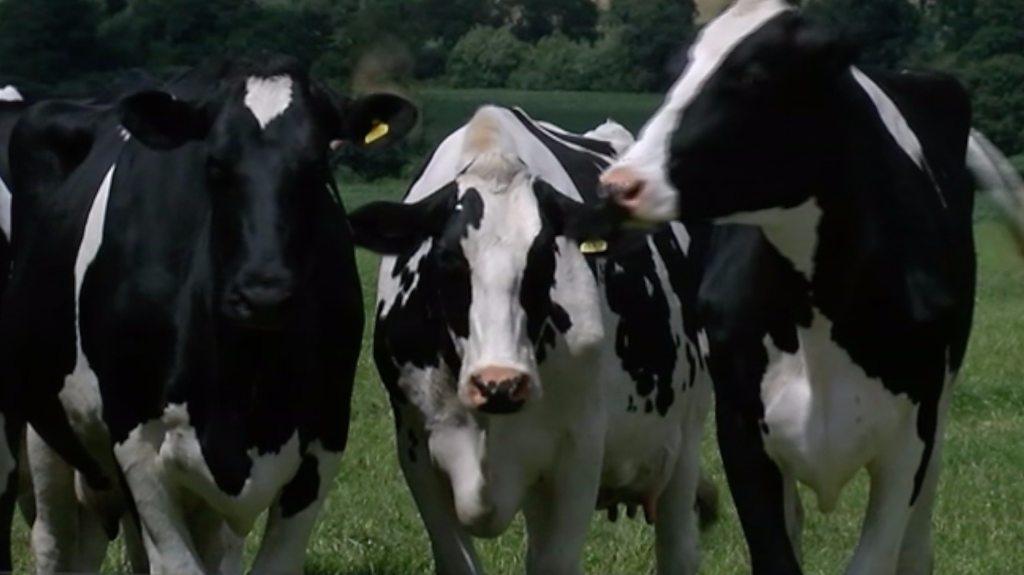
(73, 46)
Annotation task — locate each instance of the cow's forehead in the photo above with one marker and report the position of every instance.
(268, 98)
(714, 45)
(511, 214)
(10, 94)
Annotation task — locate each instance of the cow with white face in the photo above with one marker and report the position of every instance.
(839, 317)
(528, 374)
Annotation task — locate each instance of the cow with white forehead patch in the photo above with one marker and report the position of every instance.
(527, 373)
(838, 317)
(184, 315)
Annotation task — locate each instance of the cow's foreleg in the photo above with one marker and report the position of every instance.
(218, 546)
(560, 506)
(12, 465)
(757, 488)
(293, 516)
(66, 536)
(676, 526)
(452, 547)
(794, 514)
(917, 556)
(133, 545)
(164, 529)
(889, 509)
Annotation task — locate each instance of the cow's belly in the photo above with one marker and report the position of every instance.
(824, 417)
(640, 456)
(181, 458)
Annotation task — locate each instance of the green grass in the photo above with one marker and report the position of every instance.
(370, 525)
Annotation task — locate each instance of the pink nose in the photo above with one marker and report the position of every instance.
(498, 390)
(624, 187)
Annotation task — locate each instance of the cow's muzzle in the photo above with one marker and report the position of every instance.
(498, 390)
(262, 304)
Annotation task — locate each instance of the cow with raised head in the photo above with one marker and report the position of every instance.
(529, 372)
(184, 315)
(838, 318)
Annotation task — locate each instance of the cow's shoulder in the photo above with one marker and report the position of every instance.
(51, 139)
(937, 108)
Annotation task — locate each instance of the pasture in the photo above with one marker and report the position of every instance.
(370, 524)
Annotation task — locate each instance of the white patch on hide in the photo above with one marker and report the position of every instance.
(268, 98)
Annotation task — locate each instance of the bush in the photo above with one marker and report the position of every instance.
(1018, 162)
(485, 58)
(558, 63)
(554, 63)
(650, 33)
(885, 30)
(998, 100)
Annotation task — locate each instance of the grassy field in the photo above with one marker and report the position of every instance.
(370, 525)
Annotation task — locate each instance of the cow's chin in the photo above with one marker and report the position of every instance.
(659, 204)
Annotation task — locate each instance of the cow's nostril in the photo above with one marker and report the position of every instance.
(498, 390)
(626, 193)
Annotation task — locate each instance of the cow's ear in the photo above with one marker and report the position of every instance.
(376, 120)
(160, 121)
(822, 49)
(393, 228)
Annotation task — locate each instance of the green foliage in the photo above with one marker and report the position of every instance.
(1018, 162)
(885, 30)
(485, 58)
(558, 63)
(554, 63)
(532, 20)
(165, 33)
(997, 85)
(651, 32)
(41, 44)
(982, 42)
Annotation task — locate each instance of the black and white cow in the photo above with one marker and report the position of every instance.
(839, 318)
(184, 315)
(11, 107)
(524, 374)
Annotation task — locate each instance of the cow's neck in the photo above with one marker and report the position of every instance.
(793, 232)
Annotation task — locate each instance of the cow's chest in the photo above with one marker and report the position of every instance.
(824, 417)
(238, 485)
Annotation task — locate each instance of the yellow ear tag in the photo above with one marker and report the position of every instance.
(594, 247)
(380, 129)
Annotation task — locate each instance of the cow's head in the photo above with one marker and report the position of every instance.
(747, 127)
(265, 132)
(502, 276)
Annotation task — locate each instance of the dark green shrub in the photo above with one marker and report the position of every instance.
(485, 58)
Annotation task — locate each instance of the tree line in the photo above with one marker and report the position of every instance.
(75, 45)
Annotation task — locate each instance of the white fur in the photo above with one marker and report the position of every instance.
(268, 98)
(648, 158)
(792, 231)
(10, 94)
(5, 209)
(827, 418)
(81, 393)
(67, 533)
(893, 119)
(615, 134)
